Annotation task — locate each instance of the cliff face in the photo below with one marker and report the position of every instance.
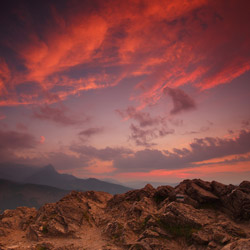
(205, 215)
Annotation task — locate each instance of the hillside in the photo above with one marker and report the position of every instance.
(211, 216)
(50, 177)
(13, 194)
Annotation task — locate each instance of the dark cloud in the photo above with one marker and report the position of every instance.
(79, 156)
(105, 154)
(144, 119)
(90, 132)
(13, 141)
(141, 135)
(58, 115)
(17, 140)
(199, 150)
(201, 130)
(181, 101)
(21, 126)
(245, 123)
(144, 137)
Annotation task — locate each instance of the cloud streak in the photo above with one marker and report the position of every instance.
(87, 133)
(168, 42)
(58, 115)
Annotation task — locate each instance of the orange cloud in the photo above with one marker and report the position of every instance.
(173, 43)
(42, 139)
(4, 76)
(190, 173)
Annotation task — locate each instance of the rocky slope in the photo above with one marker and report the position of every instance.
(212, 216)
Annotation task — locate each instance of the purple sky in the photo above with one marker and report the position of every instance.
(129, 90)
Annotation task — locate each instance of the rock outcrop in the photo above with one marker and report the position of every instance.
(211, 216)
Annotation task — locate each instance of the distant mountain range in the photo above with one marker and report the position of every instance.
(49, 176)
(22, 185)
(13, 194)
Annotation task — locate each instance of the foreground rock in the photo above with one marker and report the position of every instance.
(212, 216)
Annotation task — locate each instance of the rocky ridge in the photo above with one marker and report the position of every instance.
(211, 216)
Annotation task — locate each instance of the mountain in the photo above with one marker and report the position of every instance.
(49, 176)
(16, 172)
(195, 215)
(13, 194)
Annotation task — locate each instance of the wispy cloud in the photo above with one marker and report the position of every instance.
(148, 128)
(145, 137)
(58, 115)
(143, 118)
(87, 133)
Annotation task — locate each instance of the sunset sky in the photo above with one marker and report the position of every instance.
(127, 89)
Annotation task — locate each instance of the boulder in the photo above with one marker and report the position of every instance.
(163, 192)
(199, 194)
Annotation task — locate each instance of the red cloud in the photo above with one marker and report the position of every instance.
(199, 42)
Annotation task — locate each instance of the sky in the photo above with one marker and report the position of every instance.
(127, 90)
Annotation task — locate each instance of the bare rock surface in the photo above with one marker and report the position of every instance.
(212, 216)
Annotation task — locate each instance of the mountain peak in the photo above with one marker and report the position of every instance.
(49, 168)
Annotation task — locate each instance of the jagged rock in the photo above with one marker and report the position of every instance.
(114, 229)
(245, 185)
(242, 244)
(66, 216)
(132, 196)
(163, 192)
(2, 232)
(140, 219)
(182, 214)
(238, 202)
(201, 237)
(212, 244)
(203, 184)
(232, 229)
(199, 194)
(19, 219)
(220, 189)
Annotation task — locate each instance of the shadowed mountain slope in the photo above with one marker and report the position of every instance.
(49, 176)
